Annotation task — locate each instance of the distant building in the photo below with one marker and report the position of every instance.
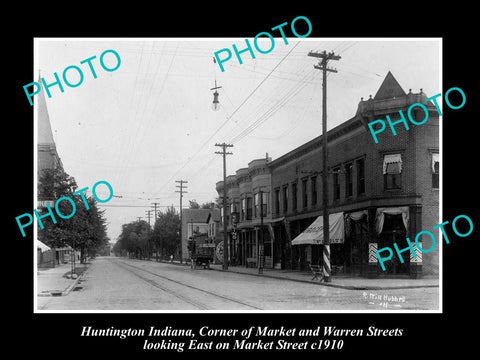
(197, 222)
(381, 193)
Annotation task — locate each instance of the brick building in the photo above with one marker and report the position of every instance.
(249, 195)
(382, 192)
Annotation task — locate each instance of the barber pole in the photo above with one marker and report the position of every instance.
(326, 263)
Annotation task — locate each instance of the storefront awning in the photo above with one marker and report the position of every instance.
(42, 246)
(313, 235)
(401, 210)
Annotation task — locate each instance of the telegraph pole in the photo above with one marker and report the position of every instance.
(148, 216)
(155, 212)
(149, 230)
(155, 223)
(181, 186)
(322, 65)
(261, 249)
(225, 235)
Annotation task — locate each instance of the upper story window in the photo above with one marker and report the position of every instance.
(313, 189)
(294, 196)
(263, 206)
(249, 209)
(348, 179)
(243, 209)
(392, 171)
(285, 199)
(277, 201)
(304, 193)
(360, 176)
(435, 171)
(336, 183)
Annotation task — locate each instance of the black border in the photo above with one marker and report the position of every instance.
(49, 334)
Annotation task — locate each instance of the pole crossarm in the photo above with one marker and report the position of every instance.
(325, 58)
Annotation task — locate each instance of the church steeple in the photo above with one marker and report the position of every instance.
(46, 149)
(45, 135)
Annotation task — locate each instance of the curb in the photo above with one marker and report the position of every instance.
(347, 287)
(340, 286)
(66, 291)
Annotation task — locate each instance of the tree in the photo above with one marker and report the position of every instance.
(84, 230)
(207, 205)
(134, 239)
(194, 204)
(166, 234)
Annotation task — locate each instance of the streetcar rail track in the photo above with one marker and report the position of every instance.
(184, 298)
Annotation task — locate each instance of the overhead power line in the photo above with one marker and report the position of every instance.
(228, 118)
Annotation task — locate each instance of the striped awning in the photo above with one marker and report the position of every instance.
(392, 159)
(313, 235)
(42, 246)
(435, 159)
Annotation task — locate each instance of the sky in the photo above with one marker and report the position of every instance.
(150, 122)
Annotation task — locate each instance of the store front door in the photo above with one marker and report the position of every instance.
(394, 232)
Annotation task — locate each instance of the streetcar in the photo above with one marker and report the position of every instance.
(201, 250)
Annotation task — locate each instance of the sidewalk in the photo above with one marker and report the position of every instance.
(339, 281)
(54, 282)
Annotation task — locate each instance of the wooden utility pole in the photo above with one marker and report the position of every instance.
(155, 223)
(261, 248)
(148, 216)
(155, 212)
(181, 186)
(225, 235)
(149, 231)
(326, 224)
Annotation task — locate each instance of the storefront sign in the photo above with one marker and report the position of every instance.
(313, 235)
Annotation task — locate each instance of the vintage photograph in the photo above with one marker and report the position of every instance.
(268, 174)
